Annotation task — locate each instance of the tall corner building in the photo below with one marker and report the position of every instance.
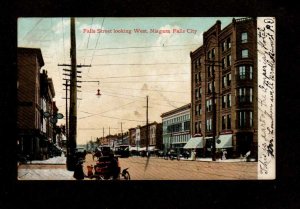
(225, 68)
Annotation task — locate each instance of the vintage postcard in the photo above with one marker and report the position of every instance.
(189, 98)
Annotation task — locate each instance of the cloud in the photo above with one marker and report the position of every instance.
(145, 87)
(136, 113)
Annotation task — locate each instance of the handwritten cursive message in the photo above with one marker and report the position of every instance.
(266, 97)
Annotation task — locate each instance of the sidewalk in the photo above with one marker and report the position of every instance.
(217, 160)
(61, 160)
(50, 169)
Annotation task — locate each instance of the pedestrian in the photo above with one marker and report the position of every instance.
(78, 172)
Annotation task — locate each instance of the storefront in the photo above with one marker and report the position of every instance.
(195, 144)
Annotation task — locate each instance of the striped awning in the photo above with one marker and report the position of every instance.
(224, 141)
(194, 142)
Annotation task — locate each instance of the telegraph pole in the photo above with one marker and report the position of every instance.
(122, 133)
(67, 120)
(214, 113)
(73, 101)
(147, 128)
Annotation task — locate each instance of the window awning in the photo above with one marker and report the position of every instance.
(194, 142)
(224, 141)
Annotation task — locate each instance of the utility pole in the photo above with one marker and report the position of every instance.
(67, 121)
(147, 128)
(213, 113)
(73, 101)
(122, 133)
(72, 125)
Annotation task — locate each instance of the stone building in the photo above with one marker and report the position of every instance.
(176, 128)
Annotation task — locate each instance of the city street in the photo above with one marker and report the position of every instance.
(152, 168)
(160, 169)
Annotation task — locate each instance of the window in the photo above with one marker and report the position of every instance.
(209, 71)
(223, 101)
(213, 53)
(250, 95)
(244, 37)
(242, 119)
(223, 122)
(208, 105)
(197, 93)
(224, 83)
(228, 100)
(223, 63)
(228, 121)
(242, 94)
(196, 127)
(197, 109)
(242, 72)
(196, 78)
(200, 92)
(228, 42)
(251, 118)
(199, 76)
(197, 63)
(209, 87)
(228, 79)
(209, 124)
(208, 55)
(251, 73)
(245, 53)
(223, 46)
(228, 60)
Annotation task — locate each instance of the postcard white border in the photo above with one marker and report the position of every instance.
(266, 83)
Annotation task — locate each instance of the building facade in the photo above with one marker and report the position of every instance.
(176, 128)
(224, 69)
(35, 97)
(29, 114)
(132, 136)
(154, 136)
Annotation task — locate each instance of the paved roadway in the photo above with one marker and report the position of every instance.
(147, 169)
(154, 168)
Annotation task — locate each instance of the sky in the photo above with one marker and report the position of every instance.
(126, 66)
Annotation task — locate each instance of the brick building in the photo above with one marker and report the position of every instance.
(35, 94)
(154, 135)
(226, 65)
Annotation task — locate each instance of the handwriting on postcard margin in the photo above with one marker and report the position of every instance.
(266, 94)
